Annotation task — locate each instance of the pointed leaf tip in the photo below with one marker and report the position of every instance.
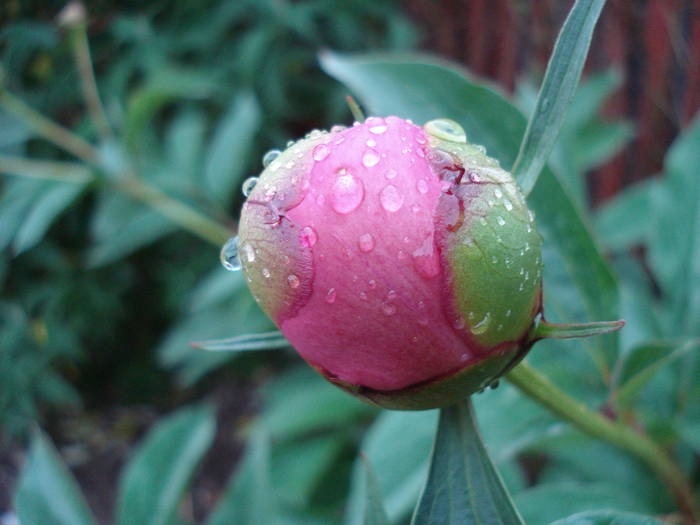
(545, 330)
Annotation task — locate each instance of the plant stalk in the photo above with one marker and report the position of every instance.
(539, 388)
(47, 128)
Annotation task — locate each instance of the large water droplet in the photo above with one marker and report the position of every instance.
(229, 255)
(331, 295)
(308, 236)
(391, 198)
(422, 186)
(370, 158)
(248, 185)
(366, 242)
(270, 156)
(338, 128)
(321, 152)
(446, 129)
(347, 192)
(483, 325)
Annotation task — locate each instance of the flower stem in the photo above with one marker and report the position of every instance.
(48, 129)
(539, 388)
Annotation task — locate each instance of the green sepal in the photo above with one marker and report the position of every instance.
(443, 391)
(541, 329)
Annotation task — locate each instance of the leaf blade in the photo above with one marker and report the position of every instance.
(463, 486)
(560, 81)
(154, 480)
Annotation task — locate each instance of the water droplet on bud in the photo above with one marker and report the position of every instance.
(270, 156)
(229, 255)
(248, 185)
(347, 192)
(391, 199)
(446, 129)
(366, 242)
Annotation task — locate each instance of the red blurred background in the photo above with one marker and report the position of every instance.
(654, 44)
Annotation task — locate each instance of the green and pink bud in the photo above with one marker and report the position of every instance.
(400, 261)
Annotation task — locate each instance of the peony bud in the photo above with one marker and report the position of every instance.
(400, 261)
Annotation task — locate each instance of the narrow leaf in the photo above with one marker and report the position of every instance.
(246, 342)
(545, 330)
(155, 479)
(375, 514)
(558, 87)
(463, 486)
(46, 493)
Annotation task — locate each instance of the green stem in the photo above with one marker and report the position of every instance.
(539, 388)
(180, 213)
(355, 109)
(81, 52)
(47, 128)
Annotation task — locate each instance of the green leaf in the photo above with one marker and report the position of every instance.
(300, 401)
(625, 220)
(375, 514)
(46, 209)
(249, 499)
(558, 87)
(155, 479)
(675, 245)
(605, 517)
(425, 90)
(398, 446)
(546, 502)
(463, 486)
(72, 172)
(46, 493)
(230, 147)
(643, 362)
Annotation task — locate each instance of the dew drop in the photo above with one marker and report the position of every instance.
(390, 174)
(483, 325)
(501, 221)
(270, 156)
(458, 323)
(248, 185)
(308, 236)
(363, 296)
(422, 186)
(378, 130)
(372, 284)
(266, 273)
(509, 313)
(293, 281)
(391, 198)
(338, 128)
(391, 295)
(508, 205)
(320, 152)
(498, 193)
(229, 255)
(371, 143)
(331, 295)
(366, 242)
(425, 260)
(370, 158)
(347, 192)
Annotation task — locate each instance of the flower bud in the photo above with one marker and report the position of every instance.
(400, 261)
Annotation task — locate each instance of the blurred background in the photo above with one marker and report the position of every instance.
(102, 295)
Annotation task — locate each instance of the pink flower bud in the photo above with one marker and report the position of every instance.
(400, 261)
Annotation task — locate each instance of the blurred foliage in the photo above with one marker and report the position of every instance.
(101, 295)
(196, 92)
